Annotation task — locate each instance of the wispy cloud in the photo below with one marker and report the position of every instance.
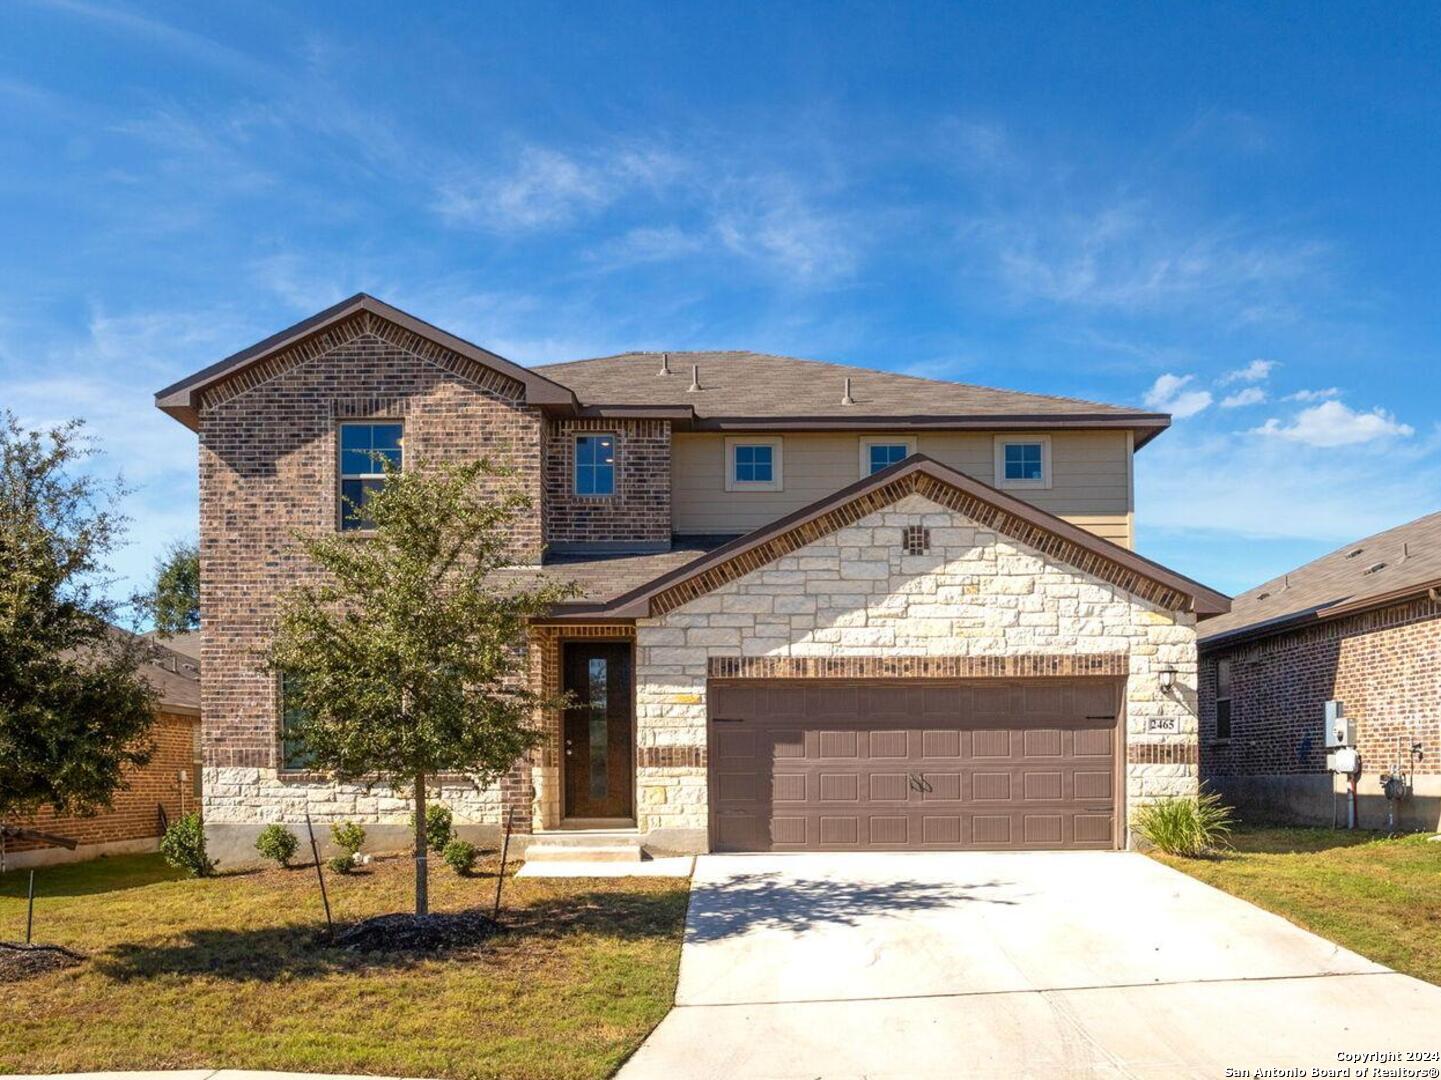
(1255, 371)
(1314, 395)
(546, 188)
(1252, 395)
(1169, 393)
(1333, 423)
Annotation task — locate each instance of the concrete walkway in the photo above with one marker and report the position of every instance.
(1071, 964)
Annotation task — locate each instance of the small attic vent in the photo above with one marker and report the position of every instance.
(916, 539)
(1353, 554)
(1374, 567)
(1262, 596)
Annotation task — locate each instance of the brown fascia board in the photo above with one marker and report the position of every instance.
(181, 399)
(1284, 624)
(636, 603)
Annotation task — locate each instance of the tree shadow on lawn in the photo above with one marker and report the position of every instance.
(772, 901)
(301, 951)
(113, 873)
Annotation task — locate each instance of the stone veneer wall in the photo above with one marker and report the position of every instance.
(268, 466)
(855, 593)
(638, 514)
(1384, 665)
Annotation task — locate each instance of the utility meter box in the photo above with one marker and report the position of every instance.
(1340, 730)
(1344, 760)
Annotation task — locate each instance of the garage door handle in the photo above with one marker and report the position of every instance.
(728, 719)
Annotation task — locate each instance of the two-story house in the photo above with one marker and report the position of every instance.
(822, 606)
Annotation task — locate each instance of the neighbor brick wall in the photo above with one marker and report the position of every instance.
(268, 467)
(1384, 665)
(134, 814)
(638, 512)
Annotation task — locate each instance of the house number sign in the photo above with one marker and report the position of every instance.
(1168, 725)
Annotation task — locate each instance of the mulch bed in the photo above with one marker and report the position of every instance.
(18, 961)
(417, 933)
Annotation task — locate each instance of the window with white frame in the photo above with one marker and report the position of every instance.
(753, 464)
(1023, 461)
(595, 465)
(366, 449)
(882, 452)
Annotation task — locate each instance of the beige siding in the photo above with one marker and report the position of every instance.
(1091, 478)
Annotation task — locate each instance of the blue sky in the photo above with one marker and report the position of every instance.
(1229, 212)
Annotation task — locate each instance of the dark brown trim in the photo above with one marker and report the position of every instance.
(1070, 666)
(182, 399)
(1285, 624)
(1147, 753)
(918, 474)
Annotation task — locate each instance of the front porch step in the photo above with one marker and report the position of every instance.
(588, 846)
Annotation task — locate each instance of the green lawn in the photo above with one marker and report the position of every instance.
(224, 973)
(1376, 896)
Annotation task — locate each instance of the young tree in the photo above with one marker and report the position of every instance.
(405, 658)
(174, 601)
(74, 708)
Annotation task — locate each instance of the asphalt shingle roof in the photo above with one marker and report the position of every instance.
(748, 384)
(1400, 558)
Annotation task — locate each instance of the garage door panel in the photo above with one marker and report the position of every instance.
(1034, 777)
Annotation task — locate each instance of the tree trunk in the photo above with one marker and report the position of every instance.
(422, 901)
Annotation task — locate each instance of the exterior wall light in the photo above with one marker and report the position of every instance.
(1168, 679)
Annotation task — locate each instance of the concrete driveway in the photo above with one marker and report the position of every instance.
(1072, 964)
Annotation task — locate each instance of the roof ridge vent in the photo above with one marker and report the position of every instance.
(1353, 554)
(664, 364)
(694, 379)
(847, 399)
(1374, 567)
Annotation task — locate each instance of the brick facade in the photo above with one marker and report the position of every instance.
(1384, 665)
(268, 467)
(135, 814)
(639, 511)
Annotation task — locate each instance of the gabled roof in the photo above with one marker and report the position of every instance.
(738, 390)
(747, 389)
(182, 399)
(943, 485)
(1387, 568)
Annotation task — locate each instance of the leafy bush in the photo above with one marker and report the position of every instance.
(184, 846)
(347, 836)
(439, 826)
(460, 856)
(341, 864)
(1189, 827)
(278, 843)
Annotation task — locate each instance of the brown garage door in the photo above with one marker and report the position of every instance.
(878, 766)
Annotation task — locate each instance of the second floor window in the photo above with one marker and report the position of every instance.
(365, 450)
(595, 465)
(1023, 462)
(753, 464)
(878, 454)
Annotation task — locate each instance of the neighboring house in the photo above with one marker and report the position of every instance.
(1361, 626)
(161, 790)
(822, 606)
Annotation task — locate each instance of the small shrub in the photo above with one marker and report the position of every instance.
(277, 843)
(439, 826)
(1192, 828)
(347, 836)
(460, 856)
(341, 864)
(184, 846)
